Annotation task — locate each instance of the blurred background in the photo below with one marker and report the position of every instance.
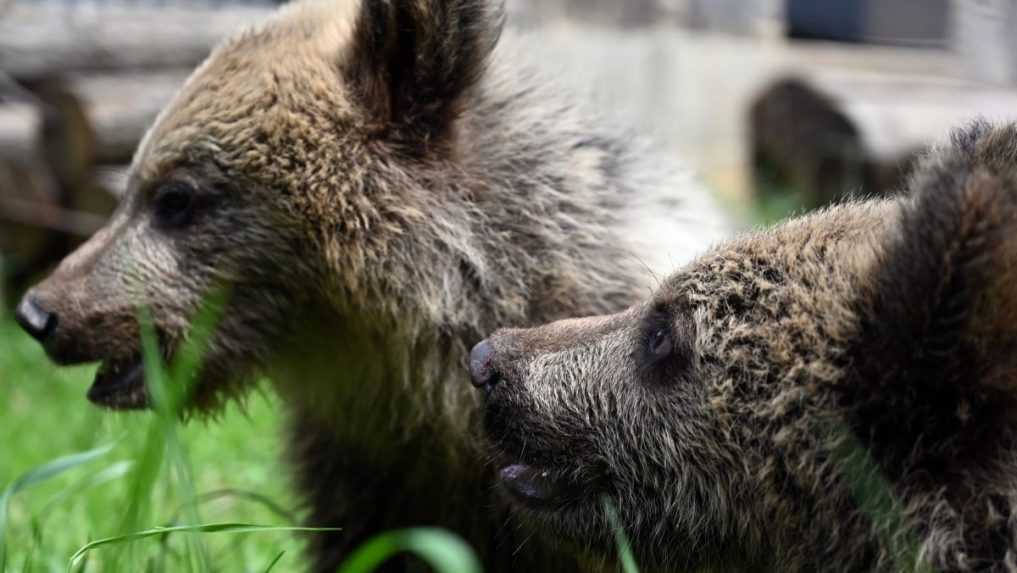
(778, 105)
(774, 103)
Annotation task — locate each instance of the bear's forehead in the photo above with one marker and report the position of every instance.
(778, 305)
(256, 91)
(830, 250)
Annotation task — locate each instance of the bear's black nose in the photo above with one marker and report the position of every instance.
(37, 321)
(482, 370)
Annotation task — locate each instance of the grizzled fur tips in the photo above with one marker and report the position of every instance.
(835, 394)
(378, 183)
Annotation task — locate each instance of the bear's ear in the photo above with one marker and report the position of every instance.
(937, 348)
(411, 62)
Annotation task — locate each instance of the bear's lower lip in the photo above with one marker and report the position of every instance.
(534, 487)
(120, 385)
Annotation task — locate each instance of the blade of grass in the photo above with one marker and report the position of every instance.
(187, 362)
(26, 566)
(140, 489)
(172, 387)
(239, 494)
(200, 528)
(273, 563)
(111, 473)
(108, 474)
(169, 392)
(442, 550)
(166, 402)
(628, 561)
(875, 497)
(35, 476)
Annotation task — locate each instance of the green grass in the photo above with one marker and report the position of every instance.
(234, 460)
(84, 490)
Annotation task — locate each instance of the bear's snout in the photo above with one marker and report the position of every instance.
(34, 319)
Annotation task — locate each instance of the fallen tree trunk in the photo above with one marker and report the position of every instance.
(121, 107)
(44, 40)
(50, 200)
(20, 124)
(118, 109)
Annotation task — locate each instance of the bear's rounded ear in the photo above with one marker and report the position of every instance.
(412, 61)
(938, 321)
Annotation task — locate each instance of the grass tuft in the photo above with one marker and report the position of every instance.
(205, 528)
(36, 476)
(443, 551)
(158, 477)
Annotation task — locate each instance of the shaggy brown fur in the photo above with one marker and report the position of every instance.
(836, 394)
(379, 184)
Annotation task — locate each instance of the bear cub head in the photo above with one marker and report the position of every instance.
(836, 393)
(290, 166)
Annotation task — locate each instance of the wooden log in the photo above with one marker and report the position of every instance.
(51, 202)
(42, 218)
(68, 145)
(22, 233)
(32, 233)
(119, 109)
(20, 124)
(67, 139)
(40, 40)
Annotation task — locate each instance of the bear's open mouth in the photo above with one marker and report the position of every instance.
(120, 384)
(536, 487)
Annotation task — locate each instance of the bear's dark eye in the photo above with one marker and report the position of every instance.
(660, 343)
(664, 350)
(173, 205)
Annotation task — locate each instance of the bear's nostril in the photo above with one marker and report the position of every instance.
(35, 320)
(482, 370)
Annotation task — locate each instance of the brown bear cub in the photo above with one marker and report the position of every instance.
(380, 183)
(836, 394)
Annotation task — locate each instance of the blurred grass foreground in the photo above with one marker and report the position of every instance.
(144, 493)
(45, 416)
